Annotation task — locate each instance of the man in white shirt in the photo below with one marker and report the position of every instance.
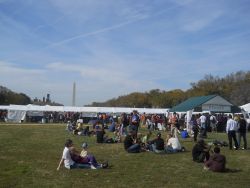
(66, 158)
(203, 132)
(231, 129)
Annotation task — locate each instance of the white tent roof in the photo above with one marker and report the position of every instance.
(246, 107)
(4, 107)
(31, 107)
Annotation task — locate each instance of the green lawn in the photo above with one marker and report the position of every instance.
(29, 155)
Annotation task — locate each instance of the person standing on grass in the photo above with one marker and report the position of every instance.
(135, 121)
(100, 138)
(124, 123)
(173, 123)
(195, 127)
(242, 131)
(231, 129)
(203, 119)
(213, 123)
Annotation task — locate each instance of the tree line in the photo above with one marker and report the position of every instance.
(234, 87)
(9, 97)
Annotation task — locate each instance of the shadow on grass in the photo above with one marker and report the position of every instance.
(228, 170)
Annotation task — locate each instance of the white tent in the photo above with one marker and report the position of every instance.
(4, 107)
(246, 107)
(49, 108)
(17, 112)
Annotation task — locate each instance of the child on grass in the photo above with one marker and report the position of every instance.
(90, 158)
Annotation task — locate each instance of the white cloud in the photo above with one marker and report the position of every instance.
(12, 69)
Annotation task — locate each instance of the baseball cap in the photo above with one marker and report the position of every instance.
(84, 145)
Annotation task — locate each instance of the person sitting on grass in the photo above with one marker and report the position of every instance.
(173, 144)
(130, 143)
(157, 145)
(69, 126)
(101, 138)
(67, 160)
(145, 141)
(146, 138)
(85, 158)
(86, 131)
(200, 151)
(217, 162)
(90, 158)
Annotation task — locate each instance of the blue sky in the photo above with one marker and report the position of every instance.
(115, 47)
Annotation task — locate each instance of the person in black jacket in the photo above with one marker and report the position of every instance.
(130, 143)
(100, 136)
(157, 145)
(242, 131)
(200, 151)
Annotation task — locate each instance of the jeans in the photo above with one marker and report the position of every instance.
(78, 165)
(135, 148)
(152, 147)
(124, 130)
(232, 135)
(203, 133)
(170, 149)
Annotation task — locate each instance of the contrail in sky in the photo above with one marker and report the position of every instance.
(138, 18)
(96, 32)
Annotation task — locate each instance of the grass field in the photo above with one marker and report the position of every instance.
(29, 155)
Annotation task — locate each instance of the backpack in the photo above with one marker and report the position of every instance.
(213, 120)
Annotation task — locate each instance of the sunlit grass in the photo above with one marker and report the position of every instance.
(29, 155)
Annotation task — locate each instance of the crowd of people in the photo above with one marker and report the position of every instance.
(127, 130)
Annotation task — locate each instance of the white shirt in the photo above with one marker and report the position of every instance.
(174, 142)
(213, 118)
(203, 119)
(231, 125)
(67, 158)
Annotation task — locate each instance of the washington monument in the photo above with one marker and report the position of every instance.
(74, 95)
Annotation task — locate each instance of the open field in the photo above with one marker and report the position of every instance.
(29, 155)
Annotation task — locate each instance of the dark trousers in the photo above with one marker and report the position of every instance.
(203, 133)
(135, 148)
(232, 135)
(135, 129)
(195, 135)
(243, 135)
